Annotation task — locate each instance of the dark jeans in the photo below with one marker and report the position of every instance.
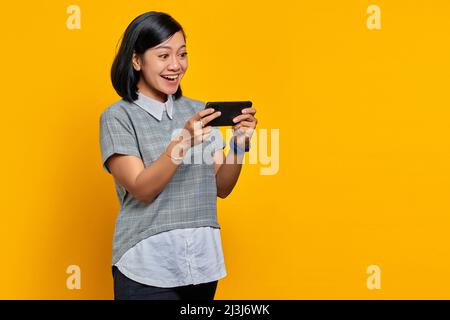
(127, 289)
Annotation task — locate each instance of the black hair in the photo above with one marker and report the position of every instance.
(144, 32)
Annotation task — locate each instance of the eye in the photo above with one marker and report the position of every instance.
(164, 56)
(183, 55)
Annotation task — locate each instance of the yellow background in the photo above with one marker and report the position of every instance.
(364, 144)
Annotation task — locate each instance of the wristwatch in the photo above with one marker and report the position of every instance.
(238, 150)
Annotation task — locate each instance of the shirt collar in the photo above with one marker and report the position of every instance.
(154, 107)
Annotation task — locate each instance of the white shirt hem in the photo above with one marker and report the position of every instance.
(168, 283)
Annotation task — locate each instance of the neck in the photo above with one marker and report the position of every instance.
(149, 92)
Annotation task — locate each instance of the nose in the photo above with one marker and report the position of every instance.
(174, 63)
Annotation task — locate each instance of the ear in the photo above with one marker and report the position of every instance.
(136, 62)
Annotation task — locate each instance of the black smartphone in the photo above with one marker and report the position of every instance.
(229, 110)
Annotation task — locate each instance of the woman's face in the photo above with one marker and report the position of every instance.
(162, 67)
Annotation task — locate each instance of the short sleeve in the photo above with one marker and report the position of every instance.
(116, 136)
(217, 139)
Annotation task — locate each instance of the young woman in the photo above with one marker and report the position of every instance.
(167, 241)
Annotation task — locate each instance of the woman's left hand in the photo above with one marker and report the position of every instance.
(244, 127)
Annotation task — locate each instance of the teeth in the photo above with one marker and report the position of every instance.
(170, 77)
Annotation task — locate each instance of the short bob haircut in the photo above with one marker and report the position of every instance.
(144, 32)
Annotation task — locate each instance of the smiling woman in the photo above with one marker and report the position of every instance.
(167, 242)
(152, 58)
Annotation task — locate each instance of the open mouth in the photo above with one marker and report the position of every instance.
(171, 77)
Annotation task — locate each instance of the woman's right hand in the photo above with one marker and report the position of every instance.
(194, 132)
(196, 129)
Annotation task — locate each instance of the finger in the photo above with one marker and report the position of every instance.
(247, 124)
(242, 117)
(249, 110)
(205, 136)
(246, 130)
(197, 126)
(251, 118)
(201, 114)
(207, 129)
(207, 119)
(198, 135)
(238, 128)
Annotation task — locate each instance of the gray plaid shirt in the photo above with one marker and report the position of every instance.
(189, 199)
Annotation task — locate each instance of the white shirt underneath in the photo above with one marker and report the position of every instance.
(175, 258)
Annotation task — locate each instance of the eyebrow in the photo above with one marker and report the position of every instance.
(167, 47)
